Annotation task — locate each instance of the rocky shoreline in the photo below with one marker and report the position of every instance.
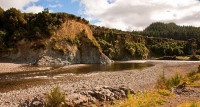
(136, 80)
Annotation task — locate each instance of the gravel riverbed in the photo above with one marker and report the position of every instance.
(137, 80)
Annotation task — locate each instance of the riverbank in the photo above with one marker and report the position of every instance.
(10, 67)
(137, 80)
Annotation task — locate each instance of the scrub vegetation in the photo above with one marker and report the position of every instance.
(157, 40)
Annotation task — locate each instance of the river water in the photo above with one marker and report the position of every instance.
(42, 75)
(11, 81)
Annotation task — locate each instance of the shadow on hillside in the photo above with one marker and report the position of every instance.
(16, 61)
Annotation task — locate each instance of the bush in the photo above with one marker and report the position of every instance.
(138, 50)
(55, 98)
(161, 81)
(164, 83)
(190, 104)
(175, 81)
(194, 58)
(164, 92)
(193, 76)
(192, 73)
(193, 105)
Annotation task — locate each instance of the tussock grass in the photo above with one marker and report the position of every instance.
(164, 92)
(190, 104)
(145, 99)
(164, 83)
(55, 98)
(192, 77)
(157, 97)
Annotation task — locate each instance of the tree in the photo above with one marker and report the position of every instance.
(46, 10)
(191, 46)
(13, 19)
(1, 17)
(2, 40)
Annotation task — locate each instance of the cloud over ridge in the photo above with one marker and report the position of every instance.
(23, 5)
(137, 14)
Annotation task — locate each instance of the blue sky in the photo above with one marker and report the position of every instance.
(126, 15)
(60, 6)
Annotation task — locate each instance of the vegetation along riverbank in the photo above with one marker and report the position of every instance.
(76, 87)
(50, 41)
(63, 39)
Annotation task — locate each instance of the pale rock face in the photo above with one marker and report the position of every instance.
(43, 52)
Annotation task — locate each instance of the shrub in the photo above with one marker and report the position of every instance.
(138, 50)
(55, 98)
(164, 92)
(73, 41)
(194, 58)
(164, 83)
(147, 99)
(129, 96)
(175, 81)
(161, 81)
(192, 73)
(190, 104)
(193, 105)
(193, 76)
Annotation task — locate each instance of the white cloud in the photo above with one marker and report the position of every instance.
(34, 9)
(23, 5)
(138, 14)
(56, 5)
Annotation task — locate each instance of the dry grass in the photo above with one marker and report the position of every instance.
(164, 83)
(190, 104)
(145, 99)
(192, 77)
(182, 57)
(73, 28)
(158, 97)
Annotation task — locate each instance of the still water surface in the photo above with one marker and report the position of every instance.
(13, 80)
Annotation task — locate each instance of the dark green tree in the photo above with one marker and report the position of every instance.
(13, 19)
(191, 46)
(1, 17)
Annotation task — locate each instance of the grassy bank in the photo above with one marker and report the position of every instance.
(164, 90)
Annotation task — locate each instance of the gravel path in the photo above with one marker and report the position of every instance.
(138, 80)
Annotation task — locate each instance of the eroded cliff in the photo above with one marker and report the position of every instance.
(72, 43)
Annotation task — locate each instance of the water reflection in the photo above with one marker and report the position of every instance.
(114, 67)
(89, 68)
(11, 81)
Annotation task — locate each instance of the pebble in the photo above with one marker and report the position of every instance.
(138, 80)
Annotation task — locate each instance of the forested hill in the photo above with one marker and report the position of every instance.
(61, 37)
(170, 30)
(47, 39)
(117, 44)
(15, 25)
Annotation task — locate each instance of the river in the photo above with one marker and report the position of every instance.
(11, 81)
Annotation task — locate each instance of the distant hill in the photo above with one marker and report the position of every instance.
(120, 45)
(171, 30)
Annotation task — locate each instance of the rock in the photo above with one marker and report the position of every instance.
(47, 60)
(180, 88)
(98, 94)
(35, 102)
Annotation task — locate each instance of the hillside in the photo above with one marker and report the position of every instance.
(120, 45)
(171, 30)
(60, 38)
